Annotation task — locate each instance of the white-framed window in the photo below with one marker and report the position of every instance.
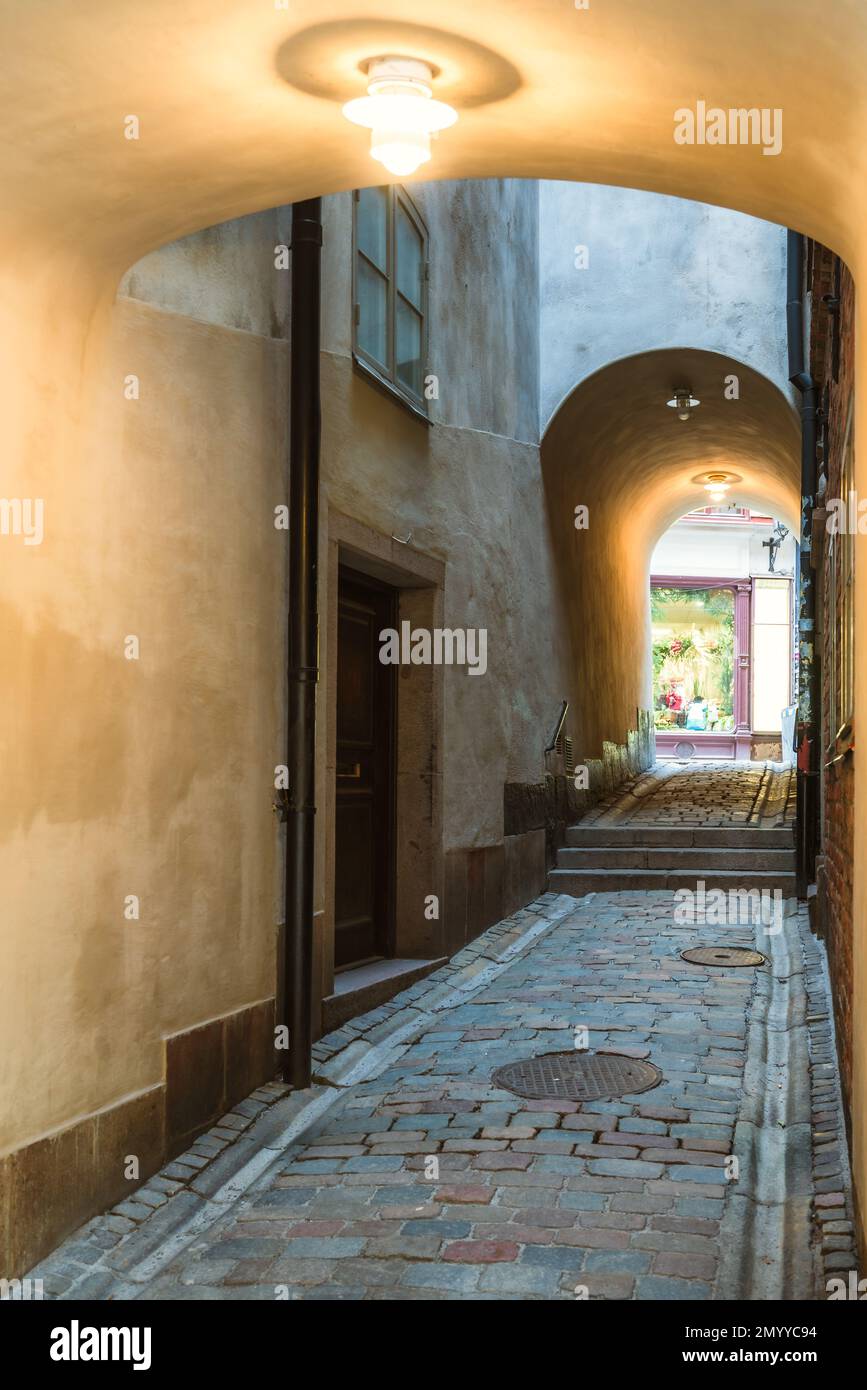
(390, 291)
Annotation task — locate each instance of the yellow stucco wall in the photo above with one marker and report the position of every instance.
(150, 776)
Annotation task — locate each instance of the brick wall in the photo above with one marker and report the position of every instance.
(832, 350)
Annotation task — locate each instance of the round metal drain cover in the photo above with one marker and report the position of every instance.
(723, 955)
(577, 1076)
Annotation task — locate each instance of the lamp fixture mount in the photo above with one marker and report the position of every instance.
(684, 402)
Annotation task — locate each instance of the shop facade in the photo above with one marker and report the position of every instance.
(722, 663)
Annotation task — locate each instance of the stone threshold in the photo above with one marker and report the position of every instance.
(140, 1236)
(363, 988)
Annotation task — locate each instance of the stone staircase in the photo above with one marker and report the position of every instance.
(610, 859)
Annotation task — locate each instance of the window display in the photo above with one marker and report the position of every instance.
(693, 658)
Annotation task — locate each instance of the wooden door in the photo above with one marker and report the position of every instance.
(364, 868)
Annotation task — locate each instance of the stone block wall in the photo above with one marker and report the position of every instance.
(535, 818)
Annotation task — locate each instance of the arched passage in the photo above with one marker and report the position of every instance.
(230, 125)
(239, 106)
(615, 448)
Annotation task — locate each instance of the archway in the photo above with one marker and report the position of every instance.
(615, 448)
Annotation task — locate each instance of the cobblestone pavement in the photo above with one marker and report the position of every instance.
(706, 794)
(407, 1175)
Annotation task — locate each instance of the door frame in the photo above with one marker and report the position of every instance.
(419, 579)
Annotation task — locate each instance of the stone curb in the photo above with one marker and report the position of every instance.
(768, 1248)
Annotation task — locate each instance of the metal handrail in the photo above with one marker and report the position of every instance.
(561, 720)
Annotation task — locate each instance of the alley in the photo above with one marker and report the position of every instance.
(407, 1173)
(433, 844)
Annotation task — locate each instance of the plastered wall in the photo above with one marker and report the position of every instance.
(624, 272)
(153, 777)
(144, 778)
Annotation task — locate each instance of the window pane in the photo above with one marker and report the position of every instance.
(410, 262)
(372, 313)
(408, 348)
(372, 225)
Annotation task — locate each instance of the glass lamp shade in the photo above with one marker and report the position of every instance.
(400, 113)
(401, 151)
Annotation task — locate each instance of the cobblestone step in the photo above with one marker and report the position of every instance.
(579, 882)
(714, 837)
(674, 857)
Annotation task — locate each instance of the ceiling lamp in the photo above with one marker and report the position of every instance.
(400, 112)
(683, 402)
(717, 491)
(717, 484)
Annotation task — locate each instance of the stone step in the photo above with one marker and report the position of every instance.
(716, 837)
(578, 882)
(673, 857)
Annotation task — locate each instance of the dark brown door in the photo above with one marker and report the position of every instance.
(365, 771)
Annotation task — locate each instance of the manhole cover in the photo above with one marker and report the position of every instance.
(577, 1076)
(723, 955)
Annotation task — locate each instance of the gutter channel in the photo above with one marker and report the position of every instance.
(768, 1252)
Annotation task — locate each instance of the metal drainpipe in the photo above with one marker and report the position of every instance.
(303, 669)
(808, 692)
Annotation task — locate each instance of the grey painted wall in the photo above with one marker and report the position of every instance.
(484, 299)
(514, 328)
(224, 275)
(663, 273)
(484, 292)
(469, 486)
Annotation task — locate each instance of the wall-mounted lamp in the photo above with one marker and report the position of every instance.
(684, 402)
(400, 112)
(778, 535)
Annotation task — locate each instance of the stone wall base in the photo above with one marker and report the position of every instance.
(50, 1187)
(486, 884)
(556, 803)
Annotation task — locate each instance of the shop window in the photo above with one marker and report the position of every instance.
(693, 658)
(390, 255)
